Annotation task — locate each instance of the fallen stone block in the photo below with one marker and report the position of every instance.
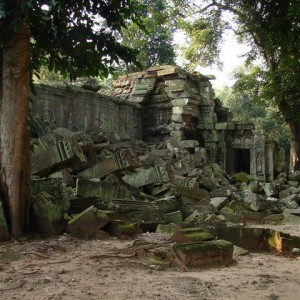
(125, 206)
(157, 174)
(123, 230)
(47, 216)
(158, 189)
(193, 194)
(122, 160)
(56, 187)
(218, 202)
(174, 217)
(89, 221)
(274, 219)
(251, 217)
(207, 253)
(166, 228)
(65, 153)
(190, 235)
(167, 205)
(270, 189)
(208, 183)
(222, 192)
(106, 191)
(289, 202)
(252, 239)
(238, 251)
(290, 219)
(148, 219)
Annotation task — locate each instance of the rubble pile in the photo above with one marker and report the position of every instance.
(93, 186)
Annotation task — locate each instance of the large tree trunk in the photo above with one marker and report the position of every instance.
(295, 145)
(14, 147)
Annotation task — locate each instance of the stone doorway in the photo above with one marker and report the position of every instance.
(241, 160)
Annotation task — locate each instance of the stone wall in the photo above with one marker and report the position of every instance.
(81, 110)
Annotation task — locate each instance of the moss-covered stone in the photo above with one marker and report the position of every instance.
(174, 217)
(205, 253)
(189, 235)
(47, 215)
(166, 228)
(241, 177)
(90, 220)
(245, 237)
(123, 229)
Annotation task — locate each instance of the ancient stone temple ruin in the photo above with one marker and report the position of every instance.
(160, 103)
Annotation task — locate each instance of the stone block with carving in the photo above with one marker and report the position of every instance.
(121, 160)
(142, 177)
(63, 154)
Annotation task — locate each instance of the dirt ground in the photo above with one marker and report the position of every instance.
(66, 268)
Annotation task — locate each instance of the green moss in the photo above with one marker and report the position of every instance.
(241, 177)
(199, 236)
(44, 206)
(204, 246)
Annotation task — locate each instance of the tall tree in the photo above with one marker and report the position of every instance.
(272, 28)
(75, 37)
(155, 45)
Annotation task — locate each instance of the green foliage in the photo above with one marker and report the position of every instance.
(155, 45)
(74, 37)
(245, 101)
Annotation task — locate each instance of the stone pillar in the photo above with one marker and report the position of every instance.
(258, 155)
(270, 159)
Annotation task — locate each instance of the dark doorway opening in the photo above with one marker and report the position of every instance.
(242, 160)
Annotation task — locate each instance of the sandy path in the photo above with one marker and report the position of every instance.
(64, 268)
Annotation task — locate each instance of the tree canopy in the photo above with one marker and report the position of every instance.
(271, 28)
(75, 37)
(155, 43)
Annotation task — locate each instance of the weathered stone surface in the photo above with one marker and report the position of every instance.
(218, 202)
(89, 221)
(205, 253)
(121, 160)
(190, 235)
(273, 219)
(290, 219)
(254, 201)
(47, 215)
(148, 219)
(166, 228)
(59, 156)
(174, 217)
(157, 174)
(249, 238)
(123, 230)
(222, 192)
(167, 205)
(238, 251)
(289, 202)
(105, 191)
